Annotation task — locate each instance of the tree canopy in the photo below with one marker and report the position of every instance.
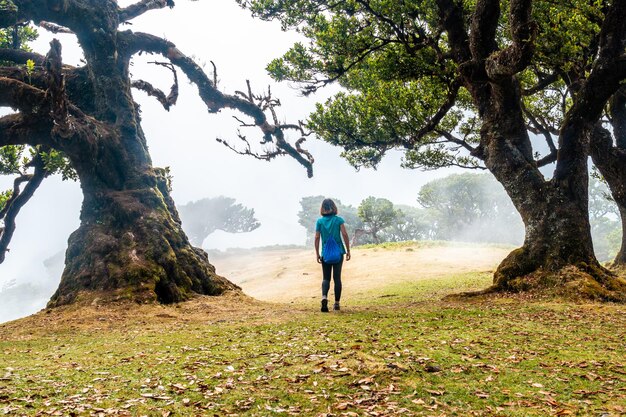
(376, 215)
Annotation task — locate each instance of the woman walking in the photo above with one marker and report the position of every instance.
(331, 228)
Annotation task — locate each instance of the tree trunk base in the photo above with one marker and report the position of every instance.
(136, 250)
(574, 282)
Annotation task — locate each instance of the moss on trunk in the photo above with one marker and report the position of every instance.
(130, 245)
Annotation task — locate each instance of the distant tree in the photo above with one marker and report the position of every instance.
(203, 217)
(604, 219)
(412, 223)
(471, 207)
(376, 215)
(310, 212)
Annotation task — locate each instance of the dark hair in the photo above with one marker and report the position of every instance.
(329, 208)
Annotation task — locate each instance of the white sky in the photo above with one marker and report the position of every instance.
(184, 140)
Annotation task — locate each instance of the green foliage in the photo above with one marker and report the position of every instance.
(395, 85)
(384, 115)
(203, 217)
(412, 223)
(393, 60)
(56, 162)
(9, 38)
(11, 161)
(376, 215)
(4, 197)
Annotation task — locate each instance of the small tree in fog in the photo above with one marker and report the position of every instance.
(412, 223)
(376, 215)
(203, 217)
(604, 219)
(471, 207)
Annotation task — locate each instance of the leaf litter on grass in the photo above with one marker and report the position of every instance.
(235, 356)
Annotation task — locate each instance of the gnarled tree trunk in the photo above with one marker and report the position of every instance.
(130, 243)
(557, 251)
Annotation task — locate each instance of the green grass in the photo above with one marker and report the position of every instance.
(415, 244)
(395, 351)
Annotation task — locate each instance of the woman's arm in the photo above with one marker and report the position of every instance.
(317, 247)
(346, 240)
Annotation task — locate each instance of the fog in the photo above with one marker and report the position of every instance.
(184, 140)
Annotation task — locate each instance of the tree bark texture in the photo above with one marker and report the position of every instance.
(130, 245)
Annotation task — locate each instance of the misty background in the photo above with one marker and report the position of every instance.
(183, 139)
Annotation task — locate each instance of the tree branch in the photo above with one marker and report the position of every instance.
(53, 27)
(137, 9)
(167, 101)
(19, 56)
(517, 56)
(19, 95)
(17, 201)
(453, 139)
(607, 71)
(214, 99)
(453, 21)
(443, 110)
(484, 23)
(56, 91)
(541, 129)
(541, 85)
(16, 129)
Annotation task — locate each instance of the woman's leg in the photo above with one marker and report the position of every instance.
(337, 280)
(326, 270)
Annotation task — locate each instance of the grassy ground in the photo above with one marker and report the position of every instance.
(397, 350)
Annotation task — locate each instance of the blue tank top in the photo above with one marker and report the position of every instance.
(330, 226)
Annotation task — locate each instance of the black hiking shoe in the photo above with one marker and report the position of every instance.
(336, 307)
(324, 306)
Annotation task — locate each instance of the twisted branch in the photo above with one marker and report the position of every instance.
(515, 57)
(253, 106)
(167, 101)
(18, 199)
(137, 9)
(53, 27)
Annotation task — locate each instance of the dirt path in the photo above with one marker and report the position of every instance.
(293, 274)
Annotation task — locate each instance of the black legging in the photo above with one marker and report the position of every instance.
(336, 272)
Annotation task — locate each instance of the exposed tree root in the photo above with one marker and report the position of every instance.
(574, 282)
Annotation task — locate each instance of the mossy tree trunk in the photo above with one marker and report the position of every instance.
(130, 242)
(130, 245)
(557, 250)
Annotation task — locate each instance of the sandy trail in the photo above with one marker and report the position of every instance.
(293, 274)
